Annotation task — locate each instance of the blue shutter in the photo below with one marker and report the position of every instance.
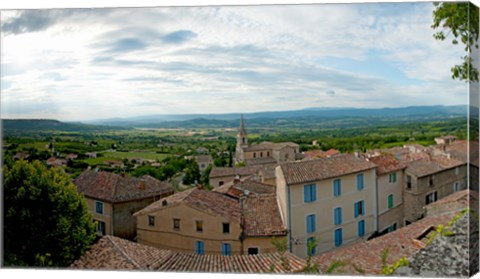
(226, 249)
(338, 215)
(355, 208)
(361, 228)
(313, 189)
(338, 237)
(311, 226)
(363, 207)
(199, 247)
(360, 181)
(306, 193)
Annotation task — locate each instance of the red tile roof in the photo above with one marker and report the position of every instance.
(241, 171)
(202, 200)
(113, 187)
(237, 189)
(386, 164)
(367, 255)
(431, 165)
(113, 253)
(261, 216)
(323, 168)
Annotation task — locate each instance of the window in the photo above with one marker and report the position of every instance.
(261, 154)
(457, 171)
(310, 193)
(359, 208)
(392, 228)
(361, 228)
(360, 181)
(311, 226)
(220, 183)
(456, 187)
(199, 247)
(100, 227)
(392, 178)
(430, 181)
(338, 237)
(99, 207)
(252, 251)
(226, 249)
(268, 153)
(337, 212)
(151, 221)
(176, 224)
(311, 246)
(337, 187)
(432, 197)
(226, 227)
(199, 226)
(390, 201)
(409, 182)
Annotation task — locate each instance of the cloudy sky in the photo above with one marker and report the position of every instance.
(79, 64)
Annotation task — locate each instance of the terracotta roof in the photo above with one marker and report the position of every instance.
(323, 168)
(113, 253)
(261, 161)
(386, 164)
(237, 189)
(261, 216)
(463, 198)
(203, 200)
(241, 171)
(431, 165)
(281, 145)
(266, 145)
(113, 187)
(367, 255)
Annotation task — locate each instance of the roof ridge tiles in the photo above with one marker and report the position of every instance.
(119, 249)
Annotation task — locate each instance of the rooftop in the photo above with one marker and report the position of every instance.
(113, 187)
(432, 164)
(386, 164)
(324, 168)
(262, 216)
(237, 189)
(226, 171)
(202, 200)
(113, 253)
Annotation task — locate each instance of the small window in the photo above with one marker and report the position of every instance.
(226, 227)
(360, 181)
(430, 181)
(268, 153)
(199, 226)
(359, 208)
(337, 212)
(390, 201)
(457, 171)
(392, 228)
(199, 247)
(409, 182)
(99, 207)
(310, 193)
(252, 251)
(311, 226)
(392, 178)
(220, 183)
(254, 155)
(151, 221)
(261, 154)
(226, 249)
(176, 224)
(432, 197)
(456, 187)
(361, 228)
(337, 187)
(338, 237)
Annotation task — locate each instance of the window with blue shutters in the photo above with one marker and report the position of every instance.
(361, 228)
(311, 246)
(199, 247)
(311, 226)
(337, 187)
(226, 249)
(310, 193)
(338, 237)
(359, 208)
(360, 181)
(337, 215)
(99, 207)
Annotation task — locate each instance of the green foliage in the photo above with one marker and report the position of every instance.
(281, 245)
(386, 269)
(358, 269)
(311, 245)
(335, 265)
(46, 222)
(192, 173)
(461, 21)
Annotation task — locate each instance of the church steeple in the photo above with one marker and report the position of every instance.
(242, 141)
(242, 130)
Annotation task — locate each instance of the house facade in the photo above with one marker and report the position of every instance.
(390, 181)
(330, 199)
(430, 179)
(113, 198)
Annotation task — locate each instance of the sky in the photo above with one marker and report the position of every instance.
(83, 64)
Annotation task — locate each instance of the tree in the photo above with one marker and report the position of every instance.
(46, 222)
(461, 21)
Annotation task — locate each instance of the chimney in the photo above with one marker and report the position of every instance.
(236, 179)
(199, 186)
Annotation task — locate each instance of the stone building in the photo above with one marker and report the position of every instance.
(113, 198)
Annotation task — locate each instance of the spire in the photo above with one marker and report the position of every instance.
(242, 126)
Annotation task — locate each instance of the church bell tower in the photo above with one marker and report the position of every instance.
(242, 141)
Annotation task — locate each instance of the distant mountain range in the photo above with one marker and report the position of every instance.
(226, 119)
(330, 118)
